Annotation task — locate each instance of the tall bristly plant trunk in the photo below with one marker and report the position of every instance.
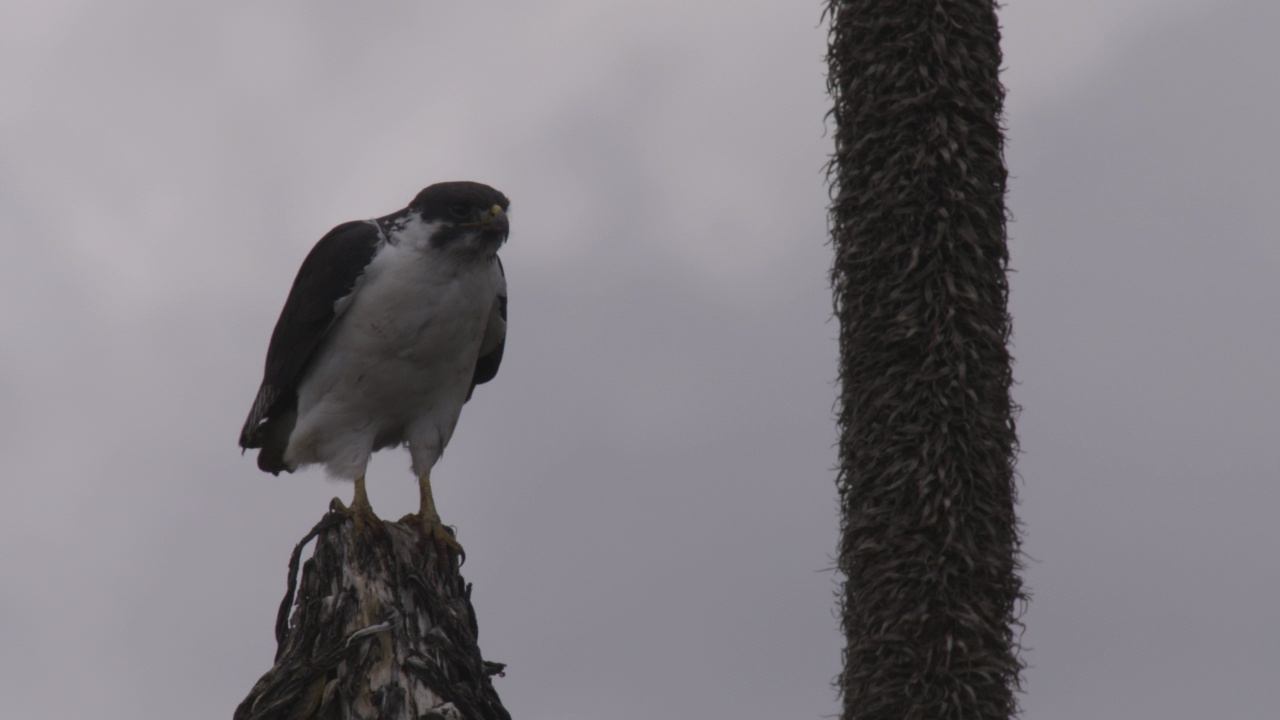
(929, 540)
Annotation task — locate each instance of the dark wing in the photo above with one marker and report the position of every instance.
(328, 274)
(495, 338)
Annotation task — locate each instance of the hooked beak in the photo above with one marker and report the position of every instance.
(495, 225)
(497, 221)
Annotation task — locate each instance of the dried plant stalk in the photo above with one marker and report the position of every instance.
(382, 627)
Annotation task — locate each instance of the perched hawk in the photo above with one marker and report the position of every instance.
(390, 325)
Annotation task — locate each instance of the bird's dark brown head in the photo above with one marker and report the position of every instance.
(464, 210)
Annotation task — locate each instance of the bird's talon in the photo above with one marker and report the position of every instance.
(440, 537)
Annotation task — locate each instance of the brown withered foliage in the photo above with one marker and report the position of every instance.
(929, 540)
(382, 627)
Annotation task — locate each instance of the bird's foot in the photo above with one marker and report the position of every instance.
(438, 536)
(360, 511)
(430, 529)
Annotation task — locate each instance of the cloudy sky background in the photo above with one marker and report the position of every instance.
(645, 491)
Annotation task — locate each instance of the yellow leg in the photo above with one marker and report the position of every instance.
(432, 529)
(426, 503)
(360, 503)
(360, 512)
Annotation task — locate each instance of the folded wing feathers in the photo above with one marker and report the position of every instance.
(249, 433)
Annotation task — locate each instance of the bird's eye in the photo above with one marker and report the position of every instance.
(460, 211)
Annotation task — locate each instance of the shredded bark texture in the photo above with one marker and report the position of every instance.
(381, 628)
(929, 546)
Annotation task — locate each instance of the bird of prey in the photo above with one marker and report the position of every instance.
(390, 325)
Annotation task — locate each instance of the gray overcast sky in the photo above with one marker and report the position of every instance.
(645, 490)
